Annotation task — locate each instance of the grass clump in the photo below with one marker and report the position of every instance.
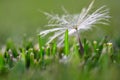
(99, 59)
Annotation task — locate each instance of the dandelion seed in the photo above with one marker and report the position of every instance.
(65, 59)
(75, 23)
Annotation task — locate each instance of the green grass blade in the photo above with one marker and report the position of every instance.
(40, 47)
(1, 61)
(32, 59)
(47, 50)
(66, 44)
(23, 55)
(54, 48)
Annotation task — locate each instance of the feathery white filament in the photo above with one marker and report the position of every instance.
(83, 21)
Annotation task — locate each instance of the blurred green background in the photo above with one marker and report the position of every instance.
(19, 17)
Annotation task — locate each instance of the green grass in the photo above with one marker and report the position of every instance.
(100, 61)
(66, 43)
